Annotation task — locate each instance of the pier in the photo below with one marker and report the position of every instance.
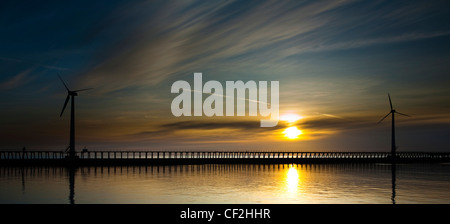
(117, 158)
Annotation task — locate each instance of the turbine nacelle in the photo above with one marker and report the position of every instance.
(393, 111)
(69, 94)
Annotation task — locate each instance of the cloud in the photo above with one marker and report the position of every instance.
(10, 59)
(248, 128)
(333, 123)
(205, 125)
(204, 130)
(181, 38)
(17, 80)
(375, 41)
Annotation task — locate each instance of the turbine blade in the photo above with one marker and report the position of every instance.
(390, 102)
(65, 104)
(384, 118)
(82, 89)
(63, 82)
(402, 114)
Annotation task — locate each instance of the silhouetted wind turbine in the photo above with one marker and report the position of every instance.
(393, 147)
(71, 94)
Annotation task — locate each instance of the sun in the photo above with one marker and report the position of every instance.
(292, 132)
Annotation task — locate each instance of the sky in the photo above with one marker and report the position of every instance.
(335, 61)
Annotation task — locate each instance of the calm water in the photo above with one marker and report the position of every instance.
(218, 184)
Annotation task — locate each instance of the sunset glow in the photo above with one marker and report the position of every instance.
(332, 73)
(292, 133)
(291, 118)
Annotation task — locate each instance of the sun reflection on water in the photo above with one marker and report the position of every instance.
(292, 180)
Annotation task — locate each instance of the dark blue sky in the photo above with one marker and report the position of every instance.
(335, 60)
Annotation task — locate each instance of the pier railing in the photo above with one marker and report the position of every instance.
(149, 155)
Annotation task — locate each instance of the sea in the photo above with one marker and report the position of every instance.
(345, 183)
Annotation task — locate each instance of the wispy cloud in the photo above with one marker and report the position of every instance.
(16, 80)
(226, 96)
(185, 36)
(181, 38)
(34, 64)
(352, 44)
(10, 59)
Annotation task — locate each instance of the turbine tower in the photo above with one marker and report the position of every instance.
(71, 94)
(393, 147)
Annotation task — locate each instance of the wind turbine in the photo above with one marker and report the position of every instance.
(71, 94)
(393, 147)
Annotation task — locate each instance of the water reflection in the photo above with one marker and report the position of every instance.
(393, 170)
(232, 183)
(23, 179)
(71, 173)
(292, 179)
